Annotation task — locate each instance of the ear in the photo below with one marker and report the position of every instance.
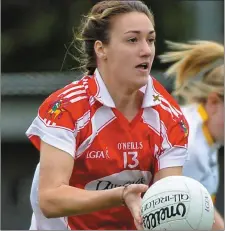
(99, 50)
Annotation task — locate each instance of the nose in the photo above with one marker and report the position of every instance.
(146, 49)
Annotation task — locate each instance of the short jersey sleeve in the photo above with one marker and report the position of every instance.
(174, 137)
(54, 125)
(174, 131)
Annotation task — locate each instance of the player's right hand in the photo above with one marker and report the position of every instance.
(132, 199)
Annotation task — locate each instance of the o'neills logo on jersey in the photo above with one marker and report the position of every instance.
(120, 179)
(130, 146)
(98, 154)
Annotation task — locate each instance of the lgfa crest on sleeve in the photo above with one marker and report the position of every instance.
(57, 108)
(183, 126)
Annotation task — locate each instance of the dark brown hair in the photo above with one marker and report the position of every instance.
(96, 26)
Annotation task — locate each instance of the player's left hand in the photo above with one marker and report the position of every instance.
(132, 198)
(138, 225)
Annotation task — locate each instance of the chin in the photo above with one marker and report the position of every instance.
(143, 79)
(140, 82)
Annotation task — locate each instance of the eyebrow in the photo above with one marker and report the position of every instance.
(138, 32)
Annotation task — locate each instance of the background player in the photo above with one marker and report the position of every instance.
(199, 71)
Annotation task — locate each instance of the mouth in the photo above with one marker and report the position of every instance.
(143, 66)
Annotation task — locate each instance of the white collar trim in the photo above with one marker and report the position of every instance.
(151, 96)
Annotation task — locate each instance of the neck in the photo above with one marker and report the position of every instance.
(126, 102)
(126, 99)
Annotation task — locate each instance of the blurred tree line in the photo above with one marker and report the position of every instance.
(37, 33)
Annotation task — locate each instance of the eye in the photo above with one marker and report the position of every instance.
(132, 40)
(151, 40)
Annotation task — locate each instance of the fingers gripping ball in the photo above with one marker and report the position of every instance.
(177, 203)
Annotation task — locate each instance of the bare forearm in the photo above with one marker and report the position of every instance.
(66, 201)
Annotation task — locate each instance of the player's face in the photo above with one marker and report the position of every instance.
(219, 122)
(131, 50)
(217, 118)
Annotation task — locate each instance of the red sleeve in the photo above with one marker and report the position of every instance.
(54, 124)
(174, 132)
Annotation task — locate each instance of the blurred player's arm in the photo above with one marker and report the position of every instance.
(219, 222)
(58, 199)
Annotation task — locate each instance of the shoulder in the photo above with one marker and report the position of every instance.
(168, 108)
(172, 119)
(164, 94)
(190, 111)
(72, 99)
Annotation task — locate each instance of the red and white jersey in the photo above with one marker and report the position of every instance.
(108, 151)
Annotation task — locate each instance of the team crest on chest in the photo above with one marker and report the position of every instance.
(156, 98)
